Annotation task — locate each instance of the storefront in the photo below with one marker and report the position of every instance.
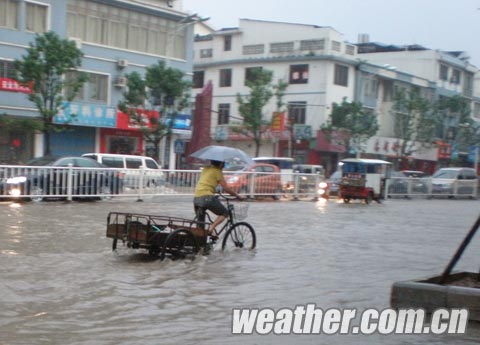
(81, 120)
(16, 135)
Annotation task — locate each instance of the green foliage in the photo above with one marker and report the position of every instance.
(24, 124)
(164, 89)
(353, 120)
(43, 67)
(414, 119)
(251, 106)
(280, 89)
(455, 123)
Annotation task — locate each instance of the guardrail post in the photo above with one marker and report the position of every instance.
(316, 187)
(251, 186)
(295, 186)
(140, 187)
(70, 182)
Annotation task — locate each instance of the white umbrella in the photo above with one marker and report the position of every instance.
(222, 153)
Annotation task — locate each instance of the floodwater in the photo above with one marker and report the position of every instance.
(60, 283)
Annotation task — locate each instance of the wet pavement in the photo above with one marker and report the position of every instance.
(60, 283)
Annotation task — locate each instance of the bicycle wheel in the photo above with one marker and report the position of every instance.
(240, 236)
(180, 244)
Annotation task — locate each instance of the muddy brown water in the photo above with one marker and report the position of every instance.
(60, 283)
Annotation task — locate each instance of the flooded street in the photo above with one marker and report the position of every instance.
(60, 283)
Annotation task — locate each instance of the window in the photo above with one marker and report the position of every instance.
(225, 77)
(223, 114)
(227, 42)
(341, 75)
(114, 162)
(251, 73)
(443, 72)
(8, 14)
(94, 90)
(370, 87)
(297, 112)
(387, 90)
(298, 74)
(93, 21)
(476, 110)
(133, 163)
(7, 70)
(253, 49)
(206, 53)
(455, 76)
(336, 46)
(468, 84)
(282, 47)
(198, 79)
(312, 44)
(151, 164)
(349, 49)
(36, 18)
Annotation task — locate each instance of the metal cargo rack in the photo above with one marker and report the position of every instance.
(160, 235)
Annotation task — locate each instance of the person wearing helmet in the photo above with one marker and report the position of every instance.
(204, 198)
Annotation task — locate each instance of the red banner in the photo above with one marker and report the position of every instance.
(125, 122)
(7, 84)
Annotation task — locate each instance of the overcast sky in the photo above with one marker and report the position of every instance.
(435, 24)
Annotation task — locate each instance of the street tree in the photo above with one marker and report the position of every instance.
(455, 124)
(163, 91)
(43, 69)
(351, 124)
(251, 106)
(414, 121)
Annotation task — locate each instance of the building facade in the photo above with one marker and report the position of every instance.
(320, 69)
(116, 37)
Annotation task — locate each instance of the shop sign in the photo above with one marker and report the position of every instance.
(93, 115)
(144, 119)
(7, 84)
(278, 121)
(179, 146)
(444, 150)
(221, 133)
(181, 121)
(387, 146)
(302, 132)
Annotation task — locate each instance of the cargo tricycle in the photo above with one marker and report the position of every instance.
(179, 238)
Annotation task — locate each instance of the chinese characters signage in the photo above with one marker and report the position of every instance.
(7, 84)
(278, 121)
(94, 115)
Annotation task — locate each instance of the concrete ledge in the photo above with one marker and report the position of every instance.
(429, 295)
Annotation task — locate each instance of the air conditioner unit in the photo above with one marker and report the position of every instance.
(120, 82)
(122, 63)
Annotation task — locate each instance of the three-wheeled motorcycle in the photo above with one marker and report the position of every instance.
(363, 179)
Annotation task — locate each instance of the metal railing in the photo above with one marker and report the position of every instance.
(40, 183)
(431, 188)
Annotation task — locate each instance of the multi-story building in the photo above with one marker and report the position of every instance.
(116, 37)
(445, 74)
(317, 64)
(320, 69)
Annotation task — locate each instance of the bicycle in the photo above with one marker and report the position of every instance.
(239, 234)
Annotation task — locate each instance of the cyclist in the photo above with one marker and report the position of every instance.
(211, 177)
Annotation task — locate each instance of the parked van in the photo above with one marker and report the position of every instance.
(455, 181)
(132, 166)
